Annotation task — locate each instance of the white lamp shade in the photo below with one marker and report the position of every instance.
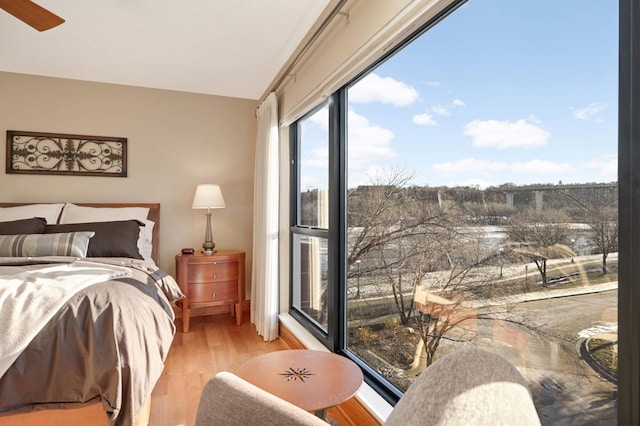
(208, 196)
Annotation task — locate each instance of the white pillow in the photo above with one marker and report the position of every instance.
(48, 211)
(145, 241)
(80, 214)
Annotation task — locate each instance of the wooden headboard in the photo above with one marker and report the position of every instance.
(154, 215)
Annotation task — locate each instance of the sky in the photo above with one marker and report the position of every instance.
(500, 91)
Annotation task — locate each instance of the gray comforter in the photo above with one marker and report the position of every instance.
(108, 343)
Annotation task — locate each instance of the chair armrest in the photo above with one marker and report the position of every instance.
(227, 399)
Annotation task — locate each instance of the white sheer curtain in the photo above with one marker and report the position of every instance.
(264, 280)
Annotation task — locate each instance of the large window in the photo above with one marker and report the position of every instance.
(471, 179)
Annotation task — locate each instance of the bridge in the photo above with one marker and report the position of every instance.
(591, 194)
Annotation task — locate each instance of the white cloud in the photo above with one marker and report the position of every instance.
(467, 165)
(319, 157)
(589, 112)
(433, 83)
(606, 168)
(440, 110)
(535, 120)
(541, 167)
(424, 119)
(368, 142)
(505, 134)
(458, 103)
(368, 145)
(315, 133)
(316, 163)
(374, 88)
(485, 167)
(321, 118)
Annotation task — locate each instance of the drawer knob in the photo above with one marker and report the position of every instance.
(215, 275)
(213, 295)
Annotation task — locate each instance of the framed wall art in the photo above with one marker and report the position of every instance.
(60, 154)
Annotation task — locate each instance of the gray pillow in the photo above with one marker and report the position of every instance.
(111, 239)
(66, 244)
(35, 225)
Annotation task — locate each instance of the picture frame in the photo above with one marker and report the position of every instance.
(65, 154)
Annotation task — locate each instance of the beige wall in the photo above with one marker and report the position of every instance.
(175, 141)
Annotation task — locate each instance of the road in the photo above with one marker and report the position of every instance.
(567, 391)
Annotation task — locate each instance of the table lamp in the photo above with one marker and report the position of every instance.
(208, 196)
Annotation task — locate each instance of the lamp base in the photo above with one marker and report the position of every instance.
(208, 247)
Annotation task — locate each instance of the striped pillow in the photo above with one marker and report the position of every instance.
(66, 244)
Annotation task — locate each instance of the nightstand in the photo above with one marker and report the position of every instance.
(211, 280)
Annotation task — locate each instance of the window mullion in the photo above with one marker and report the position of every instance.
(338, 225)
(334, 269)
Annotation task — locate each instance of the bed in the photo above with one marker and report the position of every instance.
(101, 339)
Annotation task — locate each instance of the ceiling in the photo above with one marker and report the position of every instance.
(220, 47)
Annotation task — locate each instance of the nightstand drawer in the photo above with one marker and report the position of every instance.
(215, 271)
(213, 292)
(209, 282)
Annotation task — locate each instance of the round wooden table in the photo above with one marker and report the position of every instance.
(311, 380)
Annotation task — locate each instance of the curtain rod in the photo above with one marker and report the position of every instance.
(335, 11)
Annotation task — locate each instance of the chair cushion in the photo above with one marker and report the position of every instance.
(470, 386)
(229, 400)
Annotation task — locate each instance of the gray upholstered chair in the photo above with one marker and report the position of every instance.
(467, 387)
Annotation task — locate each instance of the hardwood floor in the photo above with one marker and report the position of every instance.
(214, 343)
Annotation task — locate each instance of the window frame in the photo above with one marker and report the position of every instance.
(295, 137)
(335, 337)
(629, 208)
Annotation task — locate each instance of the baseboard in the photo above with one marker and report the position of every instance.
(289, 338)
(352, 412)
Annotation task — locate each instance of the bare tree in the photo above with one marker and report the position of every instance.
(602, 218)
(428, 257)
(541, 236)
(441, 309)
(451, 303)
(387, 228)
(405, 263)
(604, 232)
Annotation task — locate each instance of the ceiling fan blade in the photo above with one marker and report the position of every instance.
(32, 14)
